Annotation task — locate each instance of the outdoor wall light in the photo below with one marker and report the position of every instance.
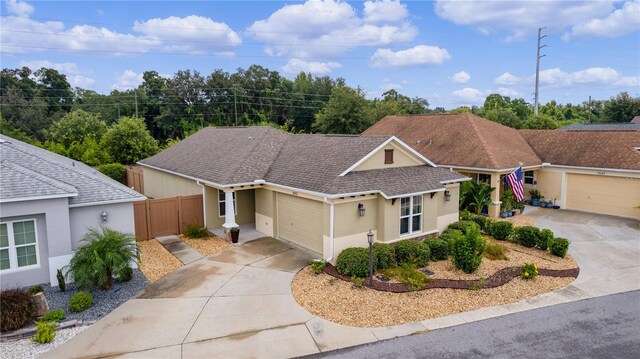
(447, 195)
(104, 215)
(361, 209)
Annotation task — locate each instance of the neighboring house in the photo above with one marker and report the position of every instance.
(47, 203)
(593, 171)
(323, 192)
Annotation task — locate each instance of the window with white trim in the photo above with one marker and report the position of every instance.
(528, 177)
(222, 208)
(18, 245)
(410, 215)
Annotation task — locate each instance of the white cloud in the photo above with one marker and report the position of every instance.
(73, 72)
(19, 8)
(604, 76)
(384, 11)
(81, 81)
(191, 34)
(324, 28)
(508, 92)
(507, 79)
(461, 77)
(468, 96)
(295, 66)
(521, 18)
(127, 80)
(420, 55)
(620, 22)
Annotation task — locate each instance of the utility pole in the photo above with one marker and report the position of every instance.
(589, 109)
(135, 95)
(538, 57)
(235, 106)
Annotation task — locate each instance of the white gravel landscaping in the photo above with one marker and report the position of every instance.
(27, 349)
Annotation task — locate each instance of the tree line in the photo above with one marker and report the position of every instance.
(124, 126)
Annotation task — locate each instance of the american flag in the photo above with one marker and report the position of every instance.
(514, 179)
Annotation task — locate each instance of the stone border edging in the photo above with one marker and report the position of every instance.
(497, 279)
(30, 330)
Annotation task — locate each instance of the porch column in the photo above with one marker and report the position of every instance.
(494, 208)
(229, 210)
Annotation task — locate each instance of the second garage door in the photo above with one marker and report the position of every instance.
(615, 196)
(300, 221)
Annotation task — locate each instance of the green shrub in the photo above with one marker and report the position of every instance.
(439, 249)
(17, 309)
(195, 231)
(125, 274)
(527, 235)
(103, 253)
(383, 256)
(54, 315)
(354, 261)
(318, 265)
(357, 281)
(45, 333)
(559, 247)
(80, 301)
(36, 289)
(495, 251)
(529, 271)
(408, 274)
(62, 285)
(463, 225)
(544, 237)
(412, 253)
(466, 215)
(466, 251)
(483, 222)
(448, 234)
(501, 230)
(114, 170)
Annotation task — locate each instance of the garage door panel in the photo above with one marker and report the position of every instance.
(300, 221)
(611, 195)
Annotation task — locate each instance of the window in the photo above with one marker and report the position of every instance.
(222, 209)
(410, 215)
(388, 156)
(18, 245)
(528, 177)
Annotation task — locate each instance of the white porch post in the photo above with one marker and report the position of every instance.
(229, 210)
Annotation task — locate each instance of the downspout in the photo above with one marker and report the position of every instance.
(204, 203)
(331, 224)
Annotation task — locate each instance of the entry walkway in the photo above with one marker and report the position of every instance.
(239, 303)
(181, 250)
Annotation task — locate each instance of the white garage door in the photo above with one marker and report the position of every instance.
(300, 221)
(616, 196)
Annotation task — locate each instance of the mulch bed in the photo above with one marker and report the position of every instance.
(499, 278)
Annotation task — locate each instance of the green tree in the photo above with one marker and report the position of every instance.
(622, 108)
(346, 112)
(129, 141)
(542, 122)
(103, 253)
(475, 196)
(75, 127)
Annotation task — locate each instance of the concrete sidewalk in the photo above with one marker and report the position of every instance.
(239, 303)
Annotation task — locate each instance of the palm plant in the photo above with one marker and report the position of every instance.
(104, 252)
(475, 196)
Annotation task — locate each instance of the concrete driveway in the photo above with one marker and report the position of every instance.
(238, 304)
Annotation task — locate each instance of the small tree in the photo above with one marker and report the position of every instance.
(75, 127)
(104, 252)
(475, 196)
(129, 141)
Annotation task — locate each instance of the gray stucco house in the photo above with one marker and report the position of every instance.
(47, 203)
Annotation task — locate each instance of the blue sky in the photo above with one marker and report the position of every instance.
(451, 52)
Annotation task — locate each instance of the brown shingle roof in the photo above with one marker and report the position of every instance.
(463, 140)
(235, 155)
(598, 149)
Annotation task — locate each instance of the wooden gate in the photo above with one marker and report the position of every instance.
(135, 178)
(165, 216)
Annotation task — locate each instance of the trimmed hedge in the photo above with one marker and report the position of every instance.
(448, 234)
(483, 222)
(544, 237)
(383, 256)
(114, 170)
(527, 236)
(412, 252)
(354, 261)
(559, 247)
(439, 249)
(501, 230)
(466, 251)
(80, 301)
(463, 225)
(54, 315)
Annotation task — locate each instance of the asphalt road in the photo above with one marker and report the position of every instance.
(603, 327)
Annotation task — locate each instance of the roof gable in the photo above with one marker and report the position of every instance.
(404, 156)
(459, 140)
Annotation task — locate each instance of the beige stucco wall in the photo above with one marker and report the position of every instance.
(244, 200)
(401, 158)
(158, 184)
(265, 211)
(549, 184)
